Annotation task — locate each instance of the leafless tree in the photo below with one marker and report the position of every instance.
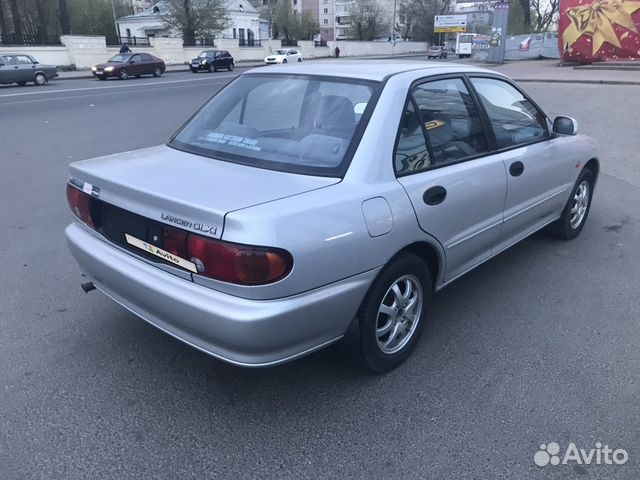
(196, 18)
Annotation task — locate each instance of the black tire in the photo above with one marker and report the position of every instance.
(124, 74)
(284, 61)
(211, 68)
(230, 67)
(138, 76)
(102, 77)
(157, 71)
(22, 84)
(194, 70)
(366, 349)
(568, 227)
(39, 79)
(299, 59)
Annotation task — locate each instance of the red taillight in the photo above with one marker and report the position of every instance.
(235, 263)
(175, 241)
(80, 204)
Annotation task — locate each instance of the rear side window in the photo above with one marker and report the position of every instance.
(412, 153)
(294, 123)
(514, 119)
(146, 57)
(8, 60)
(451, 120)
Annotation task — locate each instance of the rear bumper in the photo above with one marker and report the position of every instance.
(241, 331)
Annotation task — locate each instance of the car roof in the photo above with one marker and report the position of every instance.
(368, 69)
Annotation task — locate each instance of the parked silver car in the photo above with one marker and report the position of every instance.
(21, 69)
(265, 230)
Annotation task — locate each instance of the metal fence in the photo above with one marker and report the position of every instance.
(249, 42)
(320, 43)
(26, 39)
(131, 41)
(200, 42)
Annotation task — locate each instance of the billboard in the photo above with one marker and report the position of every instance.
(595, 30)
(450, 23)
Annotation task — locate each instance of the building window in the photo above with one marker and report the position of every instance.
(128, 33)
(235, 33)
(295, 2)
(326, 22)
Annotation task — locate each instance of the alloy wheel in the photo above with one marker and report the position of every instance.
(580, 204)
(399, 314)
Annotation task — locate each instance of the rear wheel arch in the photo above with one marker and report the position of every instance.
(429, 255)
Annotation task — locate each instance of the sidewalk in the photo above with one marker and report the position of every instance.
(547, 71)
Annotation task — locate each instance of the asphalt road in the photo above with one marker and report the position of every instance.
(540, 344)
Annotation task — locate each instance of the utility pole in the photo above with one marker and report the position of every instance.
(115, 24)
(393, 29)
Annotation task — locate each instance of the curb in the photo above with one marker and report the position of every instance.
(87, 75)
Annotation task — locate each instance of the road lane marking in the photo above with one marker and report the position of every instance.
(84, 89)
(72, 97)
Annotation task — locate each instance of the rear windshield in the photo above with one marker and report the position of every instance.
(292, 123)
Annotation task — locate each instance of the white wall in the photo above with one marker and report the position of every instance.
(354, 48)
(85, 51)
(45, 55)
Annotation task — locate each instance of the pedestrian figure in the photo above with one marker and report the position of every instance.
(125, 48)
(337, 52)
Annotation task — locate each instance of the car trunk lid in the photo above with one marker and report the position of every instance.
(147, 188)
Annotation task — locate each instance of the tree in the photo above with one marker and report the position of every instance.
(368, 20)
(17, 19)
(196, 18)
(420, 15)
(63, 16)
(545, 13)
(3, 22)
(286, 23)
(309, 26)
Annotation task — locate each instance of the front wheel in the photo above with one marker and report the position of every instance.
(299, 59)
(392, 315)
(123, 74)
(194, 70)
(230, 67)
(284, 61)
(575, 212)
(39, 79)
(157, 72)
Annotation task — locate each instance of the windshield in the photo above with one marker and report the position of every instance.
(280, 52)
(119, 59)
(203, 55)
(292, 123)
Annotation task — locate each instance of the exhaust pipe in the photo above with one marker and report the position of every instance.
(87, 287)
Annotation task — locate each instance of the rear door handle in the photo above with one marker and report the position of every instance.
(434, 195)
(516, 169)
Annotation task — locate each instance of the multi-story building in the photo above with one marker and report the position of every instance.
(335, 19)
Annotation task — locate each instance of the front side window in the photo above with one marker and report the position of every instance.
(514, 119)
(24, 60)
(298, 124)
(451, 119)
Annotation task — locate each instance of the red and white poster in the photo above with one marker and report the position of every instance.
(599, 30)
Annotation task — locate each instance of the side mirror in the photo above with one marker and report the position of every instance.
(565, 126)
(132, 62)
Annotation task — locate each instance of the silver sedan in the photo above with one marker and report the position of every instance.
(265, 230)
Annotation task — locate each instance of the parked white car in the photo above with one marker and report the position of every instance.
(284, 55)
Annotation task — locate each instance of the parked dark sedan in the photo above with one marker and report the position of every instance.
(212, 60)
(19, 68)
(125, 65)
